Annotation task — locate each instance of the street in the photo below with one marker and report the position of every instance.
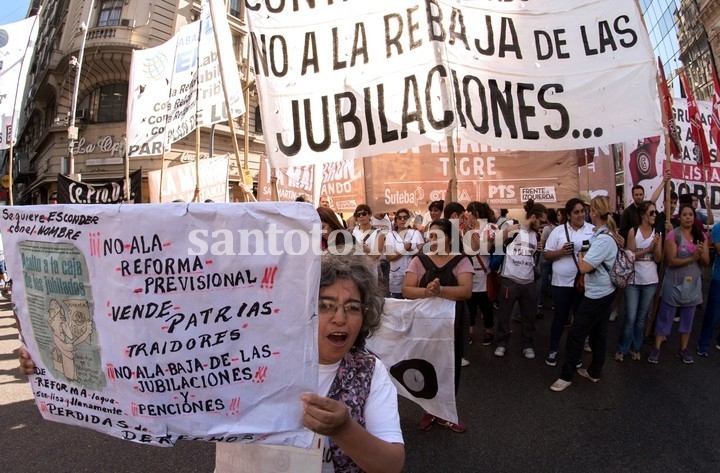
(639, 417)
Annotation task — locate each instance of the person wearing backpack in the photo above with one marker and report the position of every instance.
(593, 312)
(436, 272)
(646, 244)
(517, 280)
(686, 250)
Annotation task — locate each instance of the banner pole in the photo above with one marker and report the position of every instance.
(162, 176)
(587, 170)
(196, 196)
(10, 168)
(231, 123)
(453, 170)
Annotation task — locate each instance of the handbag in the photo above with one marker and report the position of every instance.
(492, 281)
(579, 282)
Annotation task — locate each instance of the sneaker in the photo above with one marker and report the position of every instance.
(426, 422)
(613, 316)
(619, 356)
(529, 353)
(654, 356)
(718, 346)
(560, 385)
(584, 373)
(464, 362)
(676, 319)
(579, 364)
(500, 351)
(702, 352)
(487, 339)
(635, 355)
(685, 356)
(460, 427)
(551, 359)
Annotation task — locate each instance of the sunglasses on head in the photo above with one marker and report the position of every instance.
(362, 213)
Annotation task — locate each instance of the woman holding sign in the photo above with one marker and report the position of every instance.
(358, 413)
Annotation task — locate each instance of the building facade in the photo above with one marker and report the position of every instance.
(114, 29)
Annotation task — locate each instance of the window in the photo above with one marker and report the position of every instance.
(106, 104)
(258, 120)
(110, 11)
(236, 8)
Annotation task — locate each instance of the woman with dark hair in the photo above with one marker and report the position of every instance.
(686, 250)
(595, 260)
(646, 243)
(517, 280)
(371, 238)
(562, 245)
(333, 234)
(435, 210)
(357, 410)
(481, 232)
(401, 244)
(438, 273)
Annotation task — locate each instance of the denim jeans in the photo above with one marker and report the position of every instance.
(638, 299)
(711, 316)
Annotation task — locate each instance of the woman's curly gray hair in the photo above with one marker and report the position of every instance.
(363, 272)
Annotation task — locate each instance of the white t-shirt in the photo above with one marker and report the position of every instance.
(381, 409)
(646, 271)
(564, 268)
(371, 241)
(519, 264)
(395, 242)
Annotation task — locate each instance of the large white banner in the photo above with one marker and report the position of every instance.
(179, 182)
(521, 75)
(178, 85)
(17, 46)
(645, 160)
(160, 322)
(415, 343)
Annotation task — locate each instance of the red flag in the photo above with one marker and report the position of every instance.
(696, 127)
(715, 117)
(667, 106)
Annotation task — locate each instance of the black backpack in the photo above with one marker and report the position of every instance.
(444, 274)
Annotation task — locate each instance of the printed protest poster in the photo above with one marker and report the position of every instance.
(178, 85)
(504, 179)
(345, 182)
(524, 75)
(179, 329)
(292, 182)
(596, 171)
(415, 343)
(645, 160)
(179, 182)
(111, 191)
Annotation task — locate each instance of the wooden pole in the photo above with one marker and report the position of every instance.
(162, 176)
(453, 170)
(10, 165)
(196, 196)
(231, 123)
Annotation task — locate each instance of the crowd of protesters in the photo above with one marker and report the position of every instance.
(511, 265)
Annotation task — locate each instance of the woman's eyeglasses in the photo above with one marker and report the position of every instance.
(652, 213)
(402, 217)
(361, 214)
(328, 308)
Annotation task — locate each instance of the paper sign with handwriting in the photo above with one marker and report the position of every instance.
(160, 322)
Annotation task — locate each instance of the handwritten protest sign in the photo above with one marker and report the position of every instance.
(645, 161)
(162, 322)
(522, 75)
(415, 343)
